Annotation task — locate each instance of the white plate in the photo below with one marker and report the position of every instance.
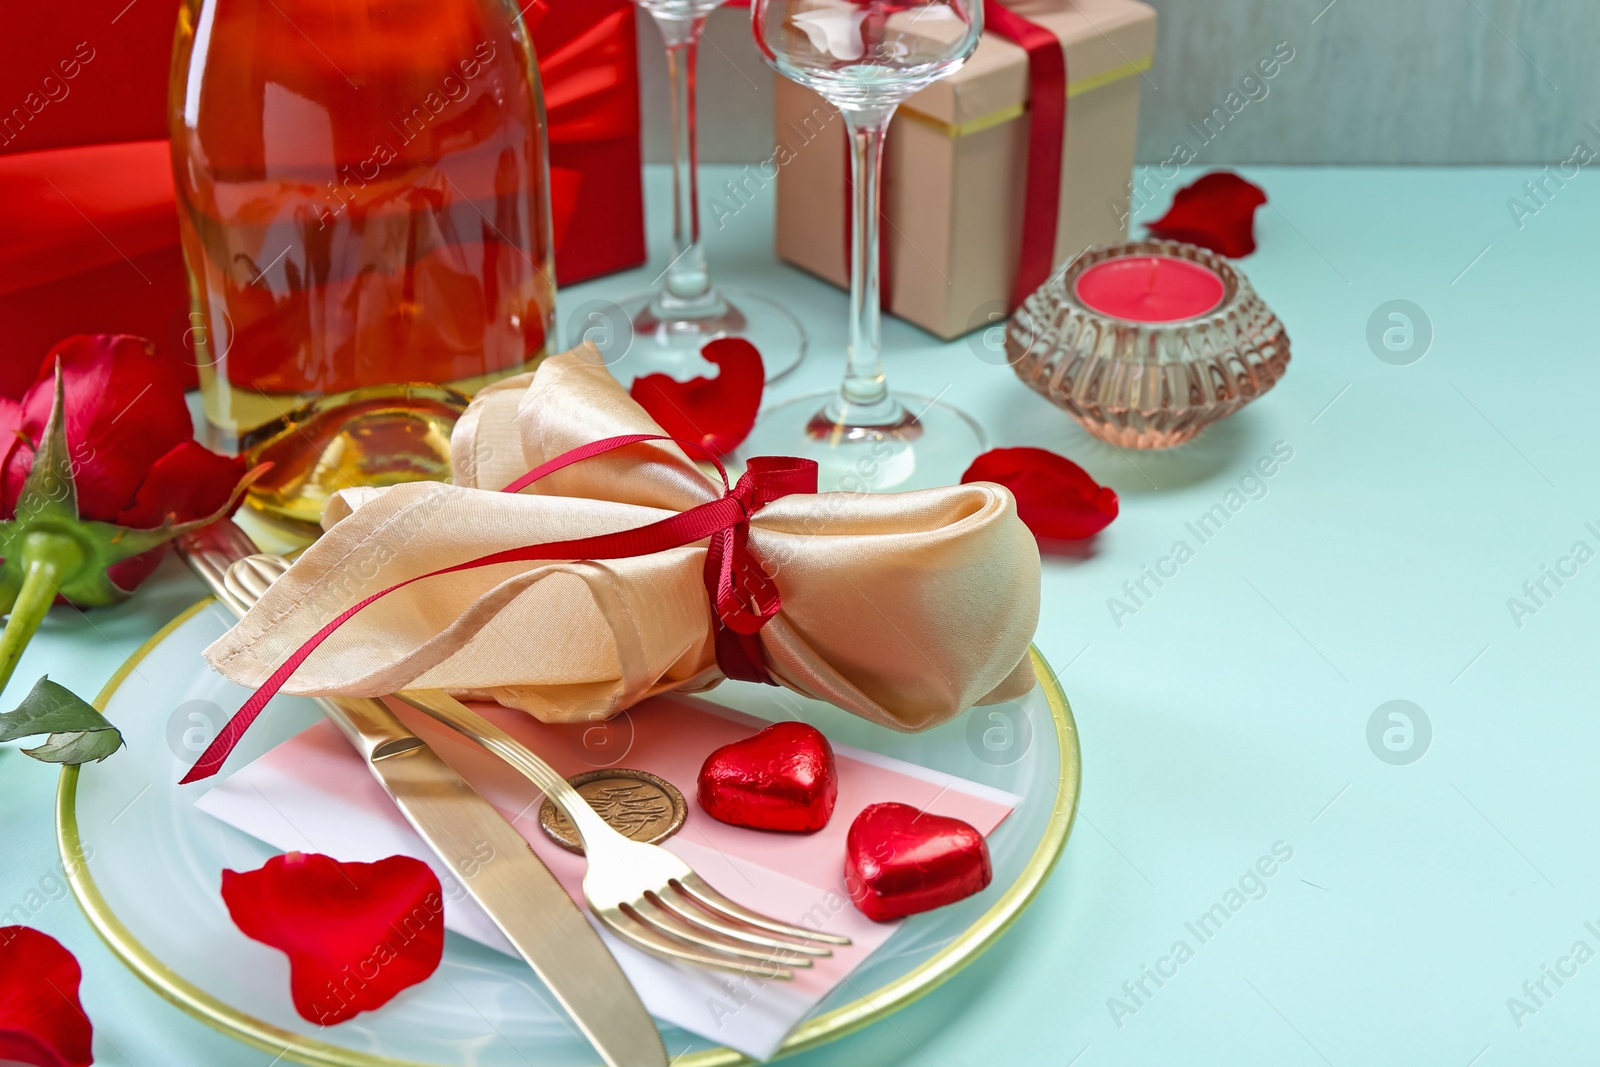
(145, 866)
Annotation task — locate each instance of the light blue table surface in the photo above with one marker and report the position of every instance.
(1227, 716)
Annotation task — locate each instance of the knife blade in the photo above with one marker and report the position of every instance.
(513, 885)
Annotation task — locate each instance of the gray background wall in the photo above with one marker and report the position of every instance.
(1372, 81)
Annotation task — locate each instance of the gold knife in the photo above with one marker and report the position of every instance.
(513, 886)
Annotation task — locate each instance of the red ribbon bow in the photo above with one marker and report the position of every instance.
(743, 595)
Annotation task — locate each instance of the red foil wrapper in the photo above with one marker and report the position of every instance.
(783, 778)
(900, 861)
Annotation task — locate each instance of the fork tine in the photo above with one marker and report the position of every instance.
(698, 916)
(657, 944)
(670, 923)
(697, 888)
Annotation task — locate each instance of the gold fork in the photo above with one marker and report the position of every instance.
(644, 894)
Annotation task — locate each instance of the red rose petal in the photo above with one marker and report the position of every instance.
(715, 412)
(1217, 212)
(783, 778)
(900, 861)
(41, 1019)
(188, 483)
(1055, 496)
(356, 934)
(13, 471)
(128, 574)
(125, 410)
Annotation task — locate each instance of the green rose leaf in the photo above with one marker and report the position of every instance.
(84, 746)
(77, 732)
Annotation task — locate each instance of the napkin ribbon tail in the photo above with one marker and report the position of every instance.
(742, 593)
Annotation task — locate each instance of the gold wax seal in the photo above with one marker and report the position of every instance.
(636, 804)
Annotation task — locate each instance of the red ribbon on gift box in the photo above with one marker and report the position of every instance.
(1047, 139)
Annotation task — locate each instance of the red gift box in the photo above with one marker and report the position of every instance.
(86, 184)
(86, 181)
(589, 63)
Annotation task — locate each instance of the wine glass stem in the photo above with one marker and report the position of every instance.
(686, 285)
(865, 392)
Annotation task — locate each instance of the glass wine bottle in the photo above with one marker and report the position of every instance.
(363, 201)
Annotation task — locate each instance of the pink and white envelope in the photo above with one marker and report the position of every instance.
(312, 794)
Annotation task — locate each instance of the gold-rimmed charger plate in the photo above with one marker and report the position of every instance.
(144, 865)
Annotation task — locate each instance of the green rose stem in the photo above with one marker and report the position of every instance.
(49, 561)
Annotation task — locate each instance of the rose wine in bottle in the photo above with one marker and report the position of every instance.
(362, 189)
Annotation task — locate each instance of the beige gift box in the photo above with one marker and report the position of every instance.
(955, 166)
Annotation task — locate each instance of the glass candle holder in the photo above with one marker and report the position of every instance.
(1146, 343)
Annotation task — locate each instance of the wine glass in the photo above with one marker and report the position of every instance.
(864, 57)
(685, 310)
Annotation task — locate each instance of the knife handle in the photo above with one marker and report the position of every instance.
(366, 722)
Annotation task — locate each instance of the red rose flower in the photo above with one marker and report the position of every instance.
(1055, 497)
(98, 471)
(356, 934)
(41, 1019)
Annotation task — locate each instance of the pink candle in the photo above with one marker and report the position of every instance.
(1150, 288)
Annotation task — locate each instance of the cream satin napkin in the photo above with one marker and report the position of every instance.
(905, 609)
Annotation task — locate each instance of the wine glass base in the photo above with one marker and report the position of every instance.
(664, 343)
(922, 444)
